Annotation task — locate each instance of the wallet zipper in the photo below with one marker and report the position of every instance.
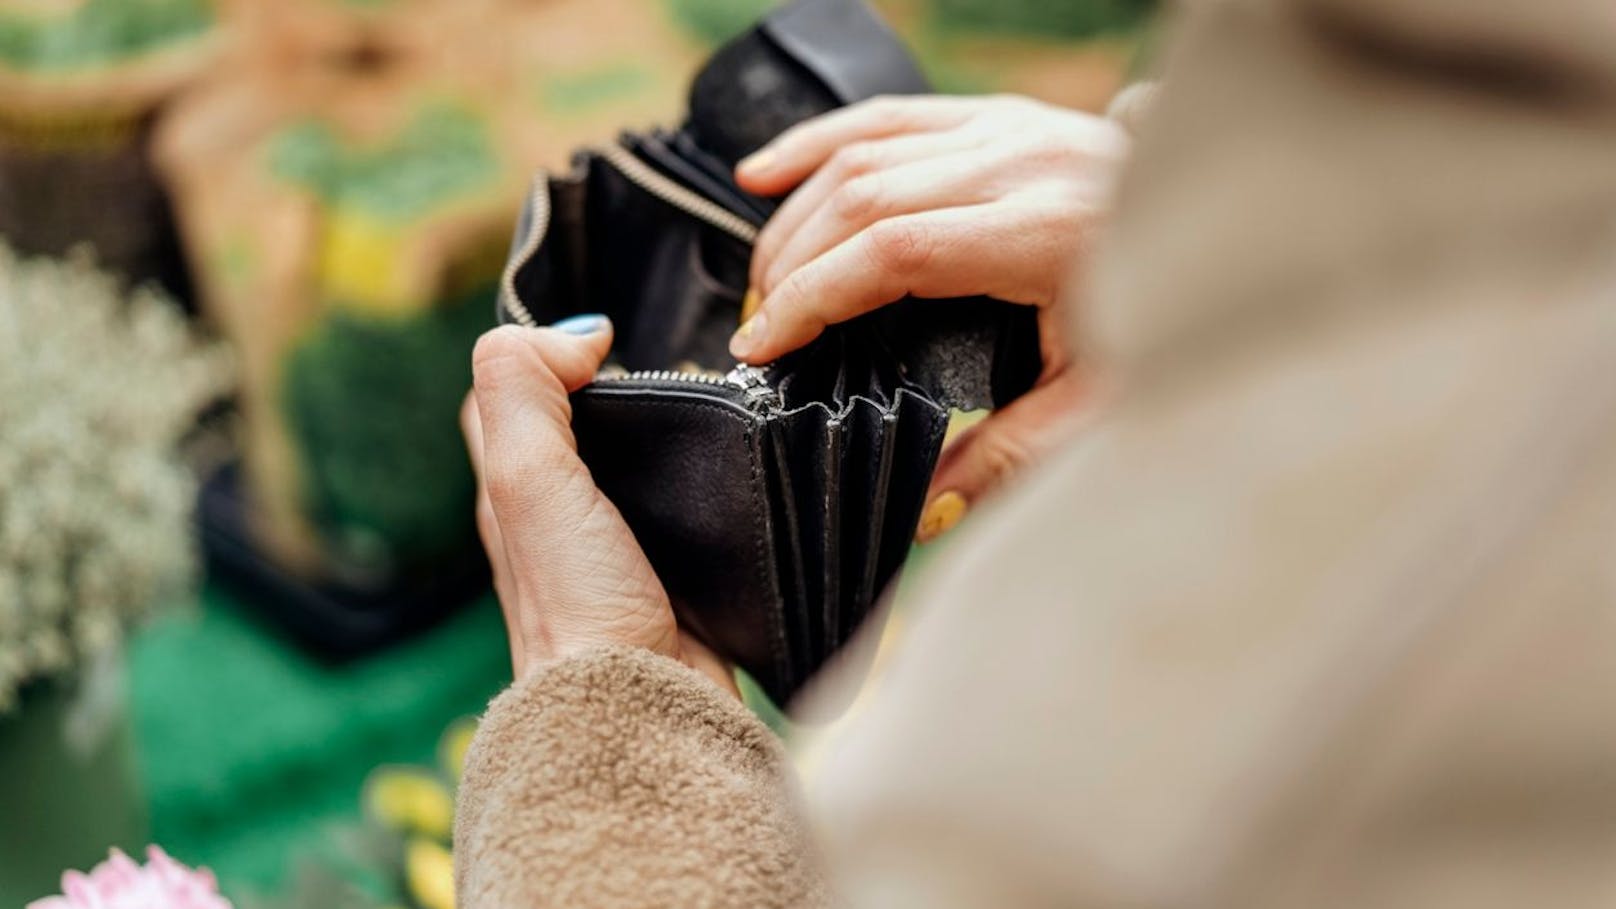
(750, 380)
(645, 177)
(538, 202)
(677, 194)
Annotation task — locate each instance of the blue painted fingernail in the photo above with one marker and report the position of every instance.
(586, 324)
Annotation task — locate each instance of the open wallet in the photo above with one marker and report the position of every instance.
(775, 503)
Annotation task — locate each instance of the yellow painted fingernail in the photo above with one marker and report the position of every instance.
(940, 516)
(747, 337)
(750, 303)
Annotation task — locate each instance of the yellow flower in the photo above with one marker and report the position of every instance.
(452, 749)
(429, 872)
(410, 800)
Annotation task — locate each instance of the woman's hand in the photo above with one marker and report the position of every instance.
(567, 570)
(935, 197)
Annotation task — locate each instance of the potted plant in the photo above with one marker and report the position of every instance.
(97, 389)
(82, 81)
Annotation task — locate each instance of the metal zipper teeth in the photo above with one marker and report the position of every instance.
(752, 381)
(539, 205)
(665, 375)
(640, 174)
(676, 194)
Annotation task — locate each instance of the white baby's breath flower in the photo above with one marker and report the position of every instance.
(97, 389)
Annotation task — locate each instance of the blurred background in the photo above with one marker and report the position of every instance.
(245, 249)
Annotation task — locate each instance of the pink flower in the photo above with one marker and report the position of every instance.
(121, 883)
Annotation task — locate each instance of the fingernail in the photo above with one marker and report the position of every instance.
(940, 516)
(586, 324)
(750, 303)
(756, 162)
(746, 339)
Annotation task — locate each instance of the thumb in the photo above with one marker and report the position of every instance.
(521, 377)
(516, 369)
(983, 457)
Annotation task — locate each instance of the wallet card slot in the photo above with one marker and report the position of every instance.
(654, 150)
(815, 440)
(684, 145)
(916, 444)
(817, 375)
(830, 564)
(802, 388)
(788, 532)
(876, 388)
(867, 466)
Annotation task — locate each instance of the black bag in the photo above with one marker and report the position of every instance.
(774, 503)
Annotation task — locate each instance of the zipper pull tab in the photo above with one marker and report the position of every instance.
(755, 383)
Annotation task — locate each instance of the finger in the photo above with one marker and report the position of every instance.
(952, 252)
(560, 358)
(800, 150)
(522, 377)
(471, 429)
(499, 561)
(948, 181)
(988, 454)
(848, 163)
(488, 528)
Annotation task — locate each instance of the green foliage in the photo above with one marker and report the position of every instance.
(1047, 18)
(715, 21)
(949, 75)
(758, 702)
(442, 153)
(96, 391)
(372, 403)
(355, 869)
(97, 32)
(583, 91)
(302, 733)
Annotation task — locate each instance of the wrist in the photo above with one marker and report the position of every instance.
(686, 651)
(543, 650)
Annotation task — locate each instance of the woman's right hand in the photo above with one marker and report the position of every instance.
(936, 197)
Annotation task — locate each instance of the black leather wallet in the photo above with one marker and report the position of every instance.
(775, 503)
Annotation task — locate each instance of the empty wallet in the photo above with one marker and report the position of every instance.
(775, 503)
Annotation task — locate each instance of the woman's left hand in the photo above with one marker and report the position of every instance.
(569, 574)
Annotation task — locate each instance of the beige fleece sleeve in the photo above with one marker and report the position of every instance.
(623, 779)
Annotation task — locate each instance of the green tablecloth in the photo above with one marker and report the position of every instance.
(251, 750)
